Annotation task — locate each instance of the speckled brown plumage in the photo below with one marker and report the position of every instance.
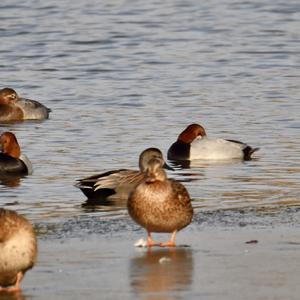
(159, 204)
(18, 248)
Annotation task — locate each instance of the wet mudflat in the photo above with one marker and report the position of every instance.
(222, 255)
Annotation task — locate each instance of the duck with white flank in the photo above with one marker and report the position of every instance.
(193, 143)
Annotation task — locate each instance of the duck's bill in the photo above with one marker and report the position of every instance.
(166, 166)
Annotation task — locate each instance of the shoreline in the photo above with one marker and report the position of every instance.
(261, 217)
(223, 254)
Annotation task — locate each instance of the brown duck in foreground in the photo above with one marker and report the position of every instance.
(160, 204)
(18, 249)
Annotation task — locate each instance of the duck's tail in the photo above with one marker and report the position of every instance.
(248, 151)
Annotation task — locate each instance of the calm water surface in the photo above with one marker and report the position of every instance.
(121, 76)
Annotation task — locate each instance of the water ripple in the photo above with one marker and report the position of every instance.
(121, 77)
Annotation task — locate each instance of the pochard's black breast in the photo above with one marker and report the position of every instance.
(10, 165)
(179, 151)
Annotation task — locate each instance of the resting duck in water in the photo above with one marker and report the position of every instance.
(193, 143)
(160, 204)
(12, 162)
(18, 249)
(117, 183)
(15, 108)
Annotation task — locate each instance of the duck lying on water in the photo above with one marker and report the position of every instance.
(12, 162)
(15, 108)
(117, 183)
(193, 143)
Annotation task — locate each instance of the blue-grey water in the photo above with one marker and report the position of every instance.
(121, 76)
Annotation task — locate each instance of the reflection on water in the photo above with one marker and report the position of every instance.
(157, 273)
(10, 181)
(12, 296)
(93, 203)
(107, 206)
(182, 164)
(202, 163)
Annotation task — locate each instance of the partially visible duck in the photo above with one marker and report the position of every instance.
(15, 108)
(18, 249)
(193, 143)
(160, 204)
(12, 162)
(116, 183)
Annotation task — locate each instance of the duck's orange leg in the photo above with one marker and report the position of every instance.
(171, 242)
(18, 282)
(16, 287)
(150, 241)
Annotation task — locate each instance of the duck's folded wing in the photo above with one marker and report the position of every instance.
(181, 192)
(89, 182)
(117, 179)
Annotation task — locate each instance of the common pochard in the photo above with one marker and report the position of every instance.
(193, 143)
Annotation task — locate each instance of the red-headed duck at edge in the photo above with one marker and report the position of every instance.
(15, 108)
(193, 143)
(12, 162)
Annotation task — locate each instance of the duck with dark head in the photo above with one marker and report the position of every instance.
(12, 162)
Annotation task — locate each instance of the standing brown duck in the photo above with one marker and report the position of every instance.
(160, 204)
(18, 249)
